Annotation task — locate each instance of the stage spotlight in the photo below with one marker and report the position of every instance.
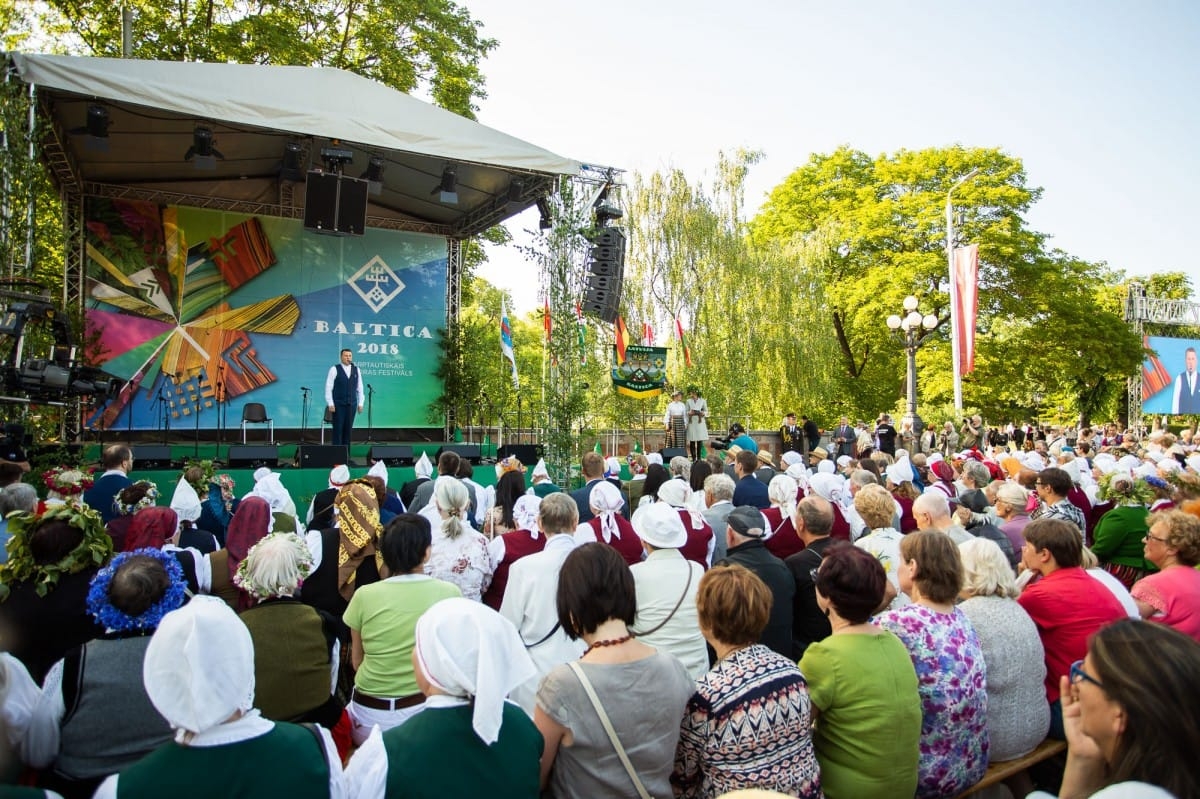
(203, 151)
(447, 188)
(290, 168)
(374, 175)
(547, 216)
(516, 193)
(95, 128)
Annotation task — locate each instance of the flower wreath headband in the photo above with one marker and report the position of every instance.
(101, 607)
(148, 499)
(95, 549)
(67, 482)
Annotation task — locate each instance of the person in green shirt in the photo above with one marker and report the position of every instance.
(382, 618)
(469, 740)
(862, 684)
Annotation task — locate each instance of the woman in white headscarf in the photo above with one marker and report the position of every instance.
(782, 540)
(608, 526)
(507, 548)
(469, 740)
(268, 486)
(199, 674)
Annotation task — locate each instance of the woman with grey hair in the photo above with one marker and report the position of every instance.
(460, 554)
(1018, 715)
(16, 496)
(296, 646)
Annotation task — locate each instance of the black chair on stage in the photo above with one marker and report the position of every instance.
(256, 413)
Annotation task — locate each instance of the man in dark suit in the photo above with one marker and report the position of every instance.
(117, 461)
(844, 438)
(791, 435)
(592, 467)
(1186, 398)
(750, 490)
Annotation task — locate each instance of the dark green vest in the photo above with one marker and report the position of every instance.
(284, 762)
(291, 658)
(436, 754)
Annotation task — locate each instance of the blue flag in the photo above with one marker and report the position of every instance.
(506, 344)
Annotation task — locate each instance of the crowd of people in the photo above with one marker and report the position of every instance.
(866, 619)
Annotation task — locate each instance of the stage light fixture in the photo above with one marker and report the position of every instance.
(203, 152)
(95, 128)
(547, 216)
(374, 175)
(336, 156)
(516, 193)
(447, 189)
(290, 168)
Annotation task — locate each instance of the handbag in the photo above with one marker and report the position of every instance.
(608, 728)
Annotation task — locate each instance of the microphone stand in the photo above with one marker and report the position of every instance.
(196, 410)
(370, 412)
(304, 415)
(220, 397)
(165, 411)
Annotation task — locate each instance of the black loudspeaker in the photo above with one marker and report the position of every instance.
(251, 456)
(527, 454)
(605, 274)
(673, 452)
(321, 456)
(151, 456)
(392, 454)
(335, 204)
(468, 451)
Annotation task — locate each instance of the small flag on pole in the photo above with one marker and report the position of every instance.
(506, 344)
(581, 334)
(621, 335)
(647, 334)
(546, 320)
(687, 353)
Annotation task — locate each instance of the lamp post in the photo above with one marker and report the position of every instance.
(954, 320)
(908, 329)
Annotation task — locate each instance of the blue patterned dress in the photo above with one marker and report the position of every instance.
(952, 682)
(748, 726)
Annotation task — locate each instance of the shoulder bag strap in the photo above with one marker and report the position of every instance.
(678, 604)
(608, 728)
(545, 637)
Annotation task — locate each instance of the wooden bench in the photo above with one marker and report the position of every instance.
(1001, 771)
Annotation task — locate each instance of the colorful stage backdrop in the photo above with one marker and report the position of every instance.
(1166, 386)
(193, 306)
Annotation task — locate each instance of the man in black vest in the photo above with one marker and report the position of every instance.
(344, 397)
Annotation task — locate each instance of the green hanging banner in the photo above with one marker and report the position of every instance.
(643, 373)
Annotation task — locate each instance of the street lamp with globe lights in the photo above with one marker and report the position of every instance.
(908, 329)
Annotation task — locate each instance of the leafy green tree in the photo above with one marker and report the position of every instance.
(431, 47)
(881, 224)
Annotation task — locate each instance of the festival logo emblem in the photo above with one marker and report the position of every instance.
(376, 283)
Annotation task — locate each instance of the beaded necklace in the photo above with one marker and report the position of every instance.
(611, 642)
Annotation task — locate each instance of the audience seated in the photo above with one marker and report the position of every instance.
(869, 724)
(954, 741)
(222, 746)
(640, 690)
(469, 740)
(749, 723)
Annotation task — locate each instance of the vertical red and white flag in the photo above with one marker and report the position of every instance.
(546, 321)
(966, 306)
(647, 334)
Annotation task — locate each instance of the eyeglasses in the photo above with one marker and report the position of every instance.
(1148, 537)
(1077, 674)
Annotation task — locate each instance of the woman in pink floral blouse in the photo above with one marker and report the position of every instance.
(945, 651)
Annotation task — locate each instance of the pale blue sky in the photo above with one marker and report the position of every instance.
(1101, 100)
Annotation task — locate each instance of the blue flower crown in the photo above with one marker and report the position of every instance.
(100, 607)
